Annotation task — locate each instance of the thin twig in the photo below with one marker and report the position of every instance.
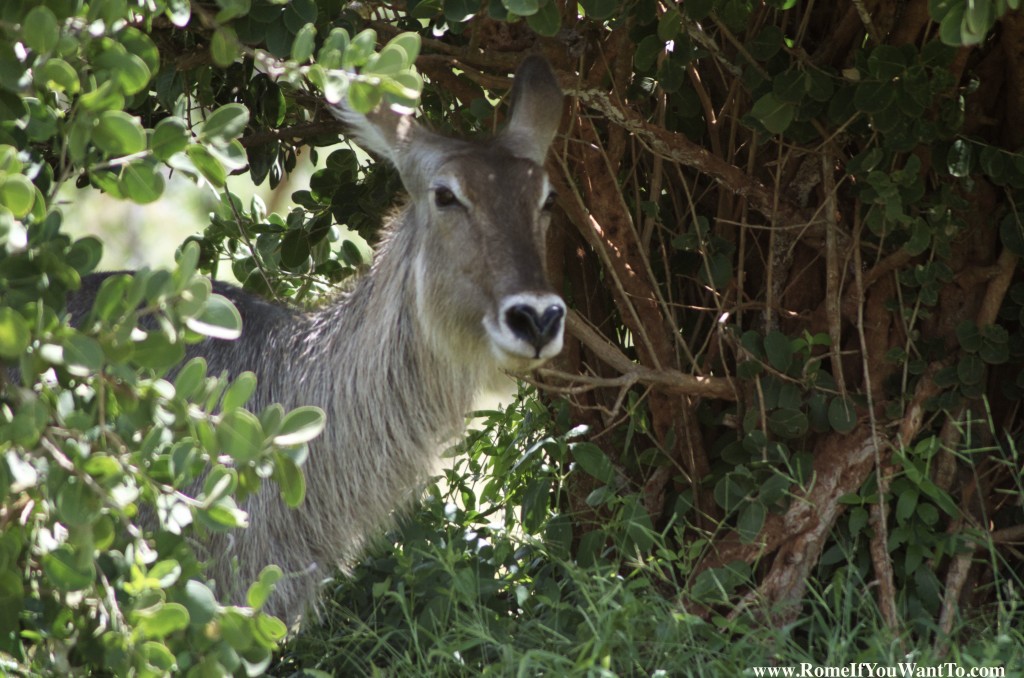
(833, 293)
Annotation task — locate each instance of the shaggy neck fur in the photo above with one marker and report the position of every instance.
(394, 394)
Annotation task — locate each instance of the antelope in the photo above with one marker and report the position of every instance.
(458, 292)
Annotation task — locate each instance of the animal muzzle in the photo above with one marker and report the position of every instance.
(529, 326)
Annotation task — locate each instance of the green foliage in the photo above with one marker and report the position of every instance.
(115, 457)
(967, 23)
(109, 468)
(467, 587)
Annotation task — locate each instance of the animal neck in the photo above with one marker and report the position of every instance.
(402, 394)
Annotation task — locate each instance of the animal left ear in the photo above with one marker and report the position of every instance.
(384, 132)
(537, 103)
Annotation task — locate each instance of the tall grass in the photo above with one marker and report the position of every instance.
(469, 585)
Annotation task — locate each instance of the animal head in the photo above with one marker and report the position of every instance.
(479, 212)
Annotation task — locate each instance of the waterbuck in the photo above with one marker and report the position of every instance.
(457, 292)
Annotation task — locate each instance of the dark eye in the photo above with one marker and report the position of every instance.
(549, 202)
(443, 197)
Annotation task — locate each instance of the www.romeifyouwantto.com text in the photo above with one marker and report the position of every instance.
(874, 670)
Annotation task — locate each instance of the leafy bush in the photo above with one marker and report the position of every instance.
(114, 456)
(468, 586)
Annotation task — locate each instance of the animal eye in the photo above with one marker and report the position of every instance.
(444, 197)
(549, 202)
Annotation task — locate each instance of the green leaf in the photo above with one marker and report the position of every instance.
(82, 354)
(886, 62)
(40, 29)
(362, 96)
(522, 7)
(304, 43)
(719, 270)
(225, 124)
(105, 97)
(157, 352)
(206, 165)
(290, 480)
(241, 389)
(970, 370)
(271, 628)
(130, 73)
(669, 25)
(766, 43)
(240, 435)
(77, 504)
(600, 10)
(17, 194)
(271, 418)
(231, 9)
(594, 461)
(1011, 232)
(949, 27)
(779, 350)
(9, 161)
(920, 237)
(190, 378)
(410, 44)
(979, 17)
(403, 88)
(158, 656)
(179, 12)
(170, 136)
(969, 336)
(298, 13)
(231, 155)
(790, 86)
(906, 504)
(163, 621)
(200, 603)
(874, 97)
(224, 46)
(995, 348)
(85, 254)
(333, 49)
(392, 59)
(300, 426)
(959, 158)
(547, 20)
(928, 514)
(141, 182)
(57, 75)
(359, 49)
(261, 589)
(842, 415)
(142, 46)
(116, 133)
(220, 482)
(68, 572)
(219, 319)
(788, 423)
(750, 521)
(14, 333)
(646, 54)
(774, 113)
(858, 519)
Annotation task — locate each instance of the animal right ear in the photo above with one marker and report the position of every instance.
(537, 103)
(383, 131)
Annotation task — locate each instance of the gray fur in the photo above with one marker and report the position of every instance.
(396, 363)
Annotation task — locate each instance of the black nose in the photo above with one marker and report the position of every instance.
(537, 329)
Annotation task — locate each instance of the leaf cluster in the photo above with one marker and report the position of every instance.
(118, 454)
